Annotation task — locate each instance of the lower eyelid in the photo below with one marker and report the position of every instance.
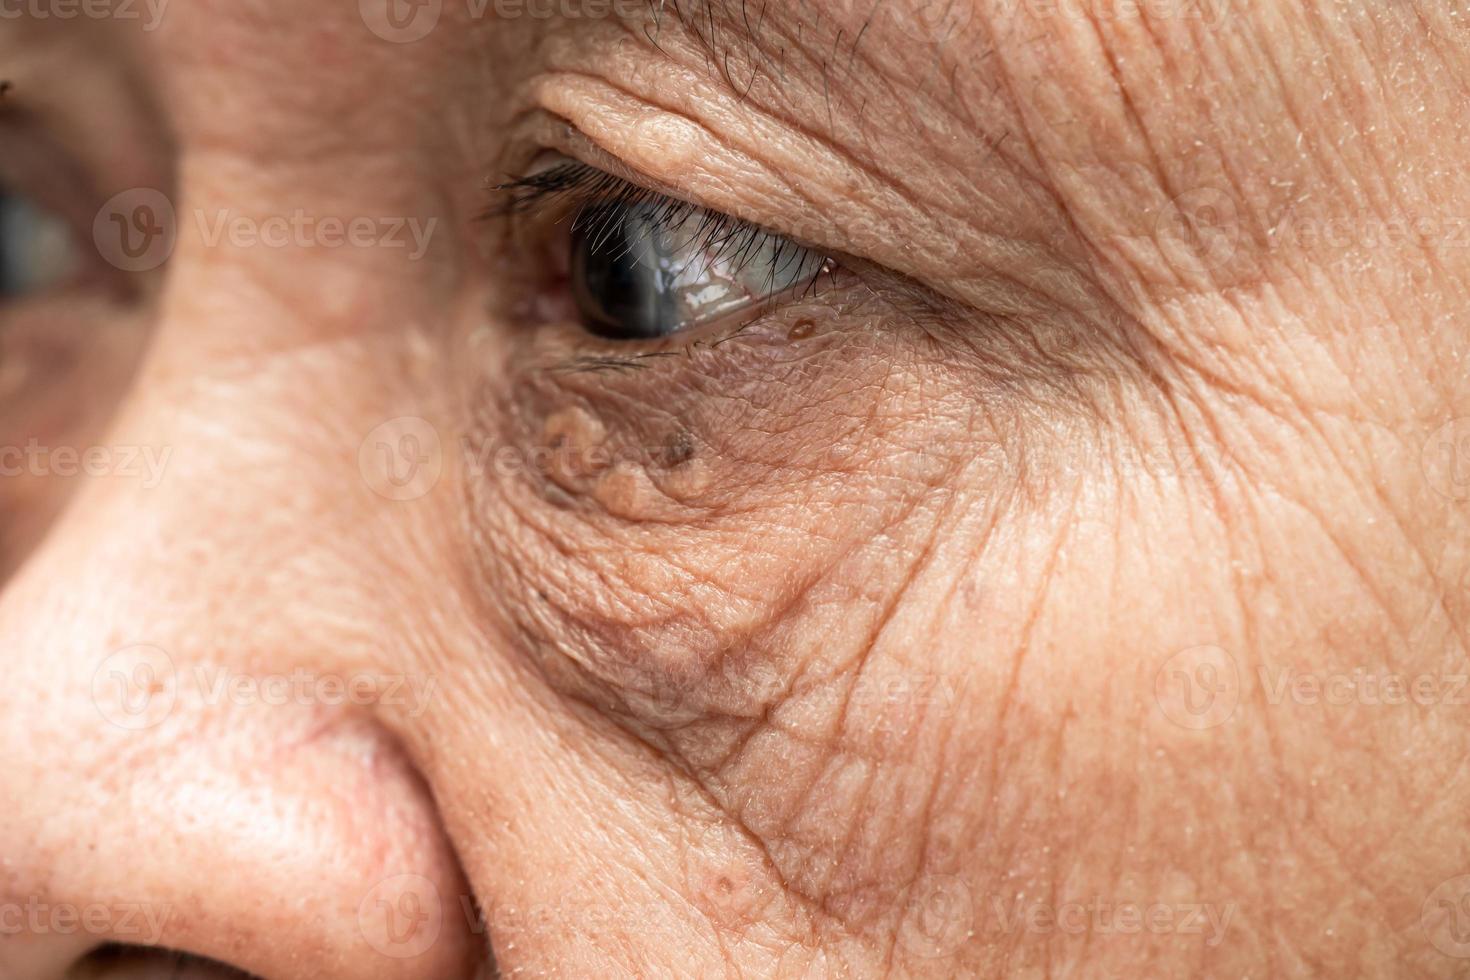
(719, 349)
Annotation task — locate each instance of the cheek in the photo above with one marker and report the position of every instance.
(741, 558)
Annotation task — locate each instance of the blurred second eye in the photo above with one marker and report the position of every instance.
(38, 249)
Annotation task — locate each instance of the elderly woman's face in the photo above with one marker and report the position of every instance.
(802, 489)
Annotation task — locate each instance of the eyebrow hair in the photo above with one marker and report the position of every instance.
(746, 41)
(759, 32)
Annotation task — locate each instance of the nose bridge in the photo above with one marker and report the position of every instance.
(290, 409)
(198, 646)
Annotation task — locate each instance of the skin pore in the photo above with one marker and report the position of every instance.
(1070, 581)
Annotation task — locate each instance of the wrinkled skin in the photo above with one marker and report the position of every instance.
(979, 589)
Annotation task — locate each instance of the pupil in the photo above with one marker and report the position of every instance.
(618, 273)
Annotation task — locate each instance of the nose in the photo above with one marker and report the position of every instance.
(194, 756)
(154, 803)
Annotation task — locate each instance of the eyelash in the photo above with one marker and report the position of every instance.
(577, 187)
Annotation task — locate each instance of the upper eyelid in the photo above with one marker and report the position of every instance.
(544, 129)
(580, 184)
(557, 133)
(585, 184)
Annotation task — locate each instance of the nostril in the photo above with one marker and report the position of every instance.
(116, 961)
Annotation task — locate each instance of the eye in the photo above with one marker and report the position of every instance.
(641, 265)
(38, 249)
(639, 271)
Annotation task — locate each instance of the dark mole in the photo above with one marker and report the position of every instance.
(5, 88)
(679, 450)
(802, 330)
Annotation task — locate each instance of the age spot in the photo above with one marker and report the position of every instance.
(686, 475)
(680, 449)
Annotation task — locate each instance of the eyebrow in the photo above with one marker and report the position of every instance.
(758, 33)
